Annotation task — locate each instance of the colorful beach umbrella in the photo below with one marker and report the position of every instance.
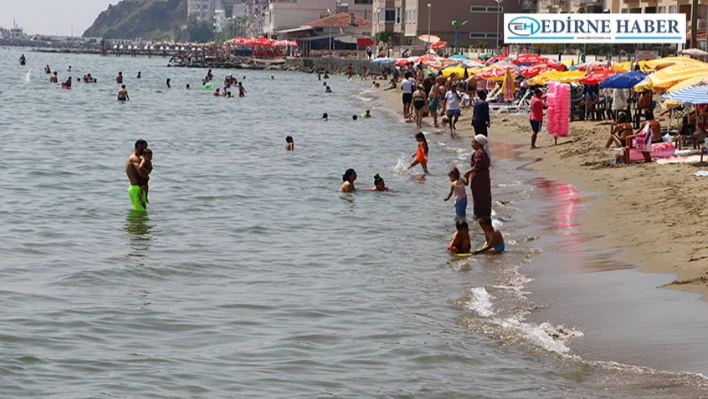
(491, 73)
(592, 66)
(596, 77)
(690, 82)
(508, 87)
(541, 67)
(459, 71)
(623, 80)
(555, 76)
(529, 59)
(669, 76)
(439, 45)
(665, 62)
(691, 95)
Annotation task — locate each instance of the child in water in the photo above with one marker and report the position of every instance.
(291, 144)
(328, 90)
(458, 188)
(494, 241)
(367, 114)
(421, 155)
(146, 168)
(379, 184)
(241, 90)
(460, 242)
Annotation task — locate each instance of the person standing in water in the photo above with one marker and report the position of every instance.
(241, 90)
(480, 117)
(139, 75)
(348, 177)
(137, 180)
(421, 155)
(290, 146)
(123, 94)
(23, 60)
(168, 83)
(478, 177)
(54, 78)
(119, 78)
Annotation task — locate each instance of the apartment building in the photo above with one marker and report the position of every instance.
(410, 19)
(201, 9)
(281, 15)
(572, 6)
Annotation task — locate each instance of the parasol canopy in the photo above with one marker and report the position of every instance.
(623, 80)
(669, 61)
(541, 67)
(596, 77)
(508, 87)
(459, 71)
(529, 59)
(692, 95)
(591, 66)
(690, 82)
(491, 73)
(555, 76)
(429, 39)
(438, 45)
(667, 77)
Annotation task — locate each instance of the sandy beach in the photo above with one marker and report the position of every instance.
(653, 214)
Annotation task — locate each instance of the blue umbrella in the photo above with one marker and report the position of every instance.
(692, 95)
(383, 61)
(459, 57)
(623, 80)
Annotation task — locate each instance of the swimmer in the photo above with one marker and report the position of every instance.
(328, 90)
(354, 117)
(216, 92)
(68, 69)
(54, 78)
(348, 177)
(241, 90)
(145, 169)
(47, 70)
(139, 75)
(326, 75)
(228, 94)
(494, 241)
(67, 83)
(123, 94)
(379, 184)
(272, 77)
(324, 84)
(291, 144)
(168, 83)
(325, 117)
(458, 188)
(460, 242)
(119, 78)
(367, 114)
(319, 75)
(135, 175)
(187, 87)
(421, 155)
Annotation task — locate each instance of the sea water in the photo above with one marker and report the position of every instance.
(250, 275)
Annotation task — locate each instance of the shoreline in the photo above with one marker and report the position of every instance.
(635, 206)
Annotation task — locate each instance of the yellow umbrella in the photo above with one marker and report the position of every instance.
(669, 61)
(508, 88)
(624, 66)
(556, 76)
(690, 82)
(667, 77)
(459, 71)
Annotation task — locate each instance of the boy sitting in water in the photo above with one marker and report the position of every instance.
(460, 242)
(494, 241)
(144, 170)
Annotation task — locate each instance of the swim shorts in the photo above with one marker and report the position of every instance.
(461, 208)
(407, 98)
(536, 126)
(133, 194)
(453, 112)
(433, 104)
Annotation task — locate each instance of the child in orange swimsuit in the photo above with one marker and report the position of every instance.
(421, 155)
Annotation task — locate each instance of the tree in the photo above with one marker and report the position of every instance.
(200, 31)
(457, 25)
(235, 27)
(383, 37)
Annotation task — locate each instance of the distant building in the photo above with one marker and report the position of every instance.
(203, 10)
(280, 15)
(408, 19)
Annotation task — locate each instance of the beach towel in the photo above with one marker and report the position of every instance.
(642, 140)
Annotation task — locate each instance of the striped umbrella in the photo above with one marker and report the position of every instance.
(691, 95)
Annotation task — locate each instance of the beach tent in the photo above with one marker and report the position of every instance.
(692, 95)
(596, 77)
(625, 80)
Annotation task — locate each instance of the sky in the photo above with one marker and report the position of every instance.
(52, 17)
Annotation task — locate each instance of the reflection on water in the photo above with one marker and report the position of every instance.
(139, 232)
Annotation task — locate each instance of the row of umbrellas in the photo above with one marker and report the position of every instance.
(262, 42)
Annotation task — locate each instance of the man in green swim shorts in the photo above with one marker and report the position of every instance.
(132, 169)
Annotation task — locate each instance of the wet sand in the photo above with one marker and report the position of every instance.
(652, 215)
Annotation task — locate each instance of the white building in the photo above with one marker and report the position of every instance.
(202, 9)
(288, 14)
(219, 19)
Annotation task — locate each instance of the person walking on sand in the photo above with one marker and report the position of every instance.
(478, 177)
(480, 118)
(137, 180)
(537, 106)
(421, 155)
(452, 98)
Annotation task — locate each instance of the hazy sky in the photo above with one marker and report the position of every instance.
(54, 17)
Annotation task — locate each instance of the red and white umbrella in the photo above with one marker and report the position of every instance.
(596, 77)
(529, 59)
(491, 73)
(593, 66)
(541, 67)
(439, 45)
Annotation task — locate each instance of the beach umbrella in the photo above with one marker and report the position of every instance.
(693, 52)
(555, 76)
(662, 63)
(623, 80)
(459, 71)
(497, 58)
(691, 95)
(541, 67)
(425, 58)
(669, 76)
(382, 61)
(690, 82)
(459, 57)
(429, 39)
(491, 73)
(439, 45)
(508, 87)
(485, 56)
(596, 77)
(591, 66)
(529, 59)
